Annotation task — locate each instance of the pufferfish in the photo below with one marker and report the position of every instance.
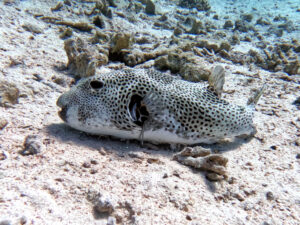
(151, 106)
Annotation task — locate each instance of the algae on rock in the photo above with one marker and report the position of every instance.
(82, 59)
(201, 5)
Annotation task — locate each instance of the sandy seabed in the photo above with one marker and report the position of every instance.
(59, 184)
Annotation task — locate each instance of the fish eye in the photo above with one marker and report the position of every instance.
(95, 84)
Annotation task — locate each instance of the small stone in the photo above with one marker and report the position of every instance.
(214, 177)
(248, 206)
(104, 204)
(262, 21)
(9, 93)
(297, 142)
(3, 155)
(238, 196)
(32, 28)
(68, 32)
(228, 24)
(247, 17)
(177, 31)
(99, 22)
(32, 145)
(23, 220)
(138, 155)
(111, 220)
(94, 162)
(241, 26)
(188, 217)
(3, 123)
(86, 165)
(150, 7)
(270, 196)
(215, 17)
(232, 180)
(93, 171)
(154, 160)
(5, 222)
(57, 7)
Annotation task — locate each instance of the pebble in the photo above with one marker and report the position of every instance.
(103, 203)
(270, 196)
(111, 220)
(150, 8)
(32, 145)
(3, 123)
(86, 165)
(3, 155)
(188, 217)
(5, 222)
(32, 28)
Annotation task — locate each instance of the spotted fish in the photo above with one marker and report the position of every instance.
(156, 107)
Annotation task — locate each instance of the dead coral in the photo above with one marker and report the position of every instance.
(119, 42)
(82, 59)
(201, 5)
(9, 93)
(201, 158)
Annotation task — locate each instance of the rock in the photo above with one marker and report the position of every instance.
(195, 73)
(5, 222)
(196, 27)
(57, 7)
(225, 45)
(3, 155)
(201, 5)
(32, 145)
(23, 220)
(3, 123)
(9, 93)
(68, 32)
(33, 28)
(103, 7)
(82, 26)
(213, 163)
(216, 17)
(235, 39)
(177, 31)
(263, 22)
(103, 203)
(150, 7)
(270, 196)
(292, 68)
(228, 24)
(98, 21)
(275, 30)
(119, 42)
(287, 26)
(297, 103)
(241, 26)
(248, 17)
(82, 58)
(111, 220)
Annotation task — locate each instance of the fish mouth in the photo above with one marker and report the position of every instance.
(63, 114)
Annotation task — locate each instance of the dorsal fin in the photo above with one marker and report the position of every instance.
(216, 80)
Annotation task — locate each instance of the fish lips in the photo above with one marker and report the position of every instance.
(61, 102)
(63, 114)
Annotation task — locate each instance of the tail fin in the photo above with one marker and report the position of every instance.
(252, 101)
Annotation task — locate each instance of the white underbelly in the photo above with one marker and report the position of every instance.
(156, 136)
